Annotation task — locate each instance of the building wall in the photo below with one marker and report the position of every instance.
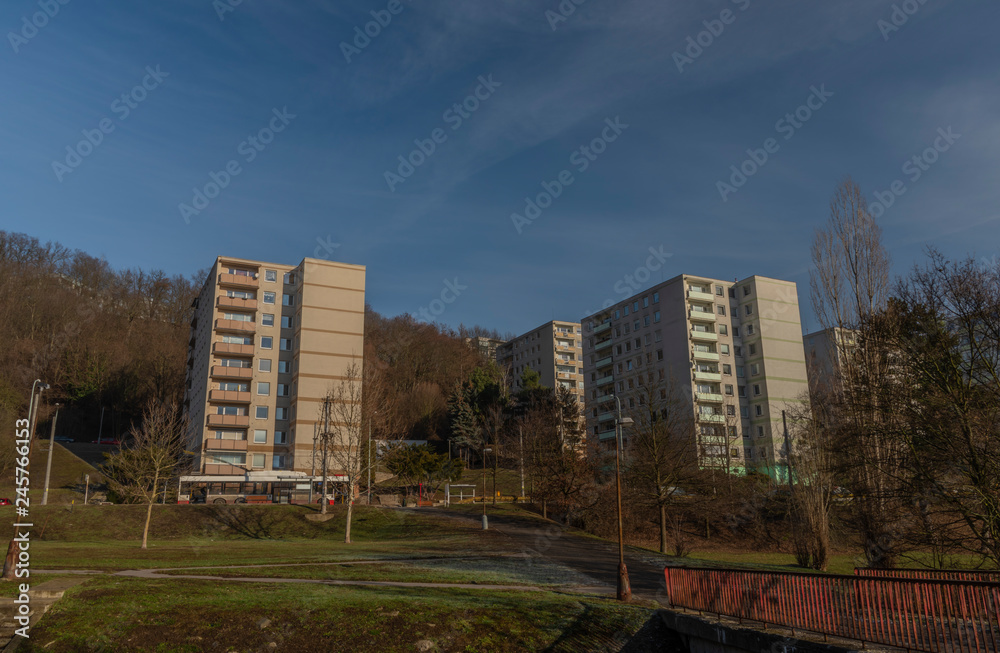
(726, 362)
(554, 350)
(306, 326)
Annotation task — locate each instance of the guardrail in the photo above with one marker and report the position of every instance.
(936, 616)
(977, 575)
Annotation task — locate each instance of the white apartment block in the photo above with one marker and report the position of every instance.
(734, 349)
(553, 350)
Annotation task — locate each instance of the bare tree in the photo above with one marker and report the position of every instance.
(850, 290)
(346, 439)
(809, 452)
(139, 473)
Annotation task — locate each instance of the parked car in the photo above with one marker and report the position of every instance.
(5, 502)
(64, 438)
(107, 441)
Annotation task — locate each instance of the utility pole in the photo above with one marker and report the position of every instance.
(624, 586)
(48, 465)
(324, 436)
(520, 437)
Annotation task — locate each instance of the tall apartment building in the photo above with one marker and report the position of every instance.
(267, 342)
(824, 352)
(553, 350)
(732, 349)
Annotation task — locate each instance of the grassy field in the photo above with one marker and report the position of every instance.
(123, 614)
(66, 483)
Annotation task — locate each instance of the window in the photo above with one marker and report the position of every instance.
(267, 319)
(739, 351)
(617, 314)
(744, 412)
(647, 339)
(286, 344)
(230, 410)
(736, 332)
(645, 301)
(732, 431)
(657, 336)
(627, 329)
(227, 459)
(237, 340)
(727, 369)
(739, 371)
(258, 461)
(753, 349)
(261, 412)
(625, 310)
(749, 329)
(230, 435)
(290, 278)
(754, 369)
(729, 389)
(758, 411)
(635, 325)
(628, 365)
(719, 290)
(282, 389)
(238, 317)
(656, 298)
(233, 362)
(234, 387)
(280, 437)
(270, 275)
(628, 347)
(283, 367)
(645, 320)
(635, 306)
(263, 388)
(268, 297)
(730, 410)
(287, 300)
(760, 434)
(286, 321)
(260, 436)
(281, 413)
(720, 309)
(656, 316)
(742, 391)
(265, 342)
(724, 349)
(264, 365)
(756, 389)
(659, 354)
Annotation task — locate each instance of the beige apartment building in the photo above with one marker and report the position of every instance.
(267, 343)
(554, 350)
(824, 352)
(733, 350)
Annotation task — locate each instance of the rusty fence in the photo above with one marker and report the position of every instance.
(979, 575)
(937, 616)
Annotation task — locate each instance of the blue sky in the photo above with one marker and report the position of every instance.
(320, 188)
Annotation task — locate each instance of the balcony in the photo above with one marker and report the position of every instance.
(707, 376)
(237, 280)
(709, 398)
(711, 418)
(603, 398)
(224, 470)
(221, 372)
(604, 381)
(232, 396)
(603, 417)
(701, 316)
(565, 375)
(701, 296)
(704, 355)
(704, 335)
(232, 349)
(565, 346)
(235, 326)
(602, 345)
(604, 362)
(225, 445)
(236, 302)
(601, 328)
(229, 420)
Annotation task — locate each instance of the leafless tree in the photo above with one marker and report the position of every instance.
(809, 452)
(140, 471)
(345, 438)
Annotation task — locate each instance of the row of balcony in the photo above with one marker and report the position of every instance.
(222, 372)
(225, 445)
(705, 355)
(602, 345)
(237, 303)
(702, 316)
(604, 381)
(232, 349)
(239, 421)
(230, 396)
(704, 335)
(601, 328)
(238, 280)
(235, 326)
(696, 295)
(604, 362)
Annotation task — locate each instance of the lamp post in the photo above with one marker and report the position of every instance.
(486, 523)
(33, 408)
(624, 586)
(370, 457)
(48, 465)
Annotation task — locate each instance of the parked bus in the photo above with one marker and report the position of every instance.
(237, 489)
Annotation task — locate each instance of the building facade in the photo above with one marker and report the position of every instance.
(554, 350)
(731, 350)
(268, 341)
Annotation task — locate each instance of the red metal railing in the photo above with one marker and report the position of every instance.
(939, 616)
(932, 574)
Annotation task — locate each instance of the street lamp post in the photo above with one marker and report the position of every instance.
(33, 408)
(48, 465)
(624, 586)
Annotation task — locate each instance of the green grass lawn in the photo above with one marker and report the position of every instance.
(124, 614)
(66, 483)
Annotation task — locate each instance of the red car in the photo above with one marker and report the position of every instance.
(5, 502)
(106, 441)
